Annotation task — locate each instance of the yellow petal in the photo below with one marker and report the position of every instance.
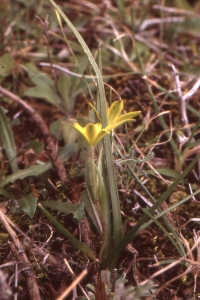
(80, 128)
(114, 111)
(101, 134)
(93, 129)
(93, 133)
(121, 119)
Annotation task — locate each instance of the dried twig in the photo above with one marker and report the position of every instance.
(44, 129)
(182, 103)
(151, 22)
(169, 282)
(19, 253)
(45, 27)
(49, 259)
(190, 269)
(192, 91)
(74, 277)
(175, 10)
(72, 285)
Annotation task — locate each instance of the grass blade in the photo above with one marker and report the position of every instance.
(137, 228)
(75, 243)
(8, 140)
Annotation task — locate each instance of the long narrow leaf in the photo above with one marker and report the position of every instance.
(164, 231)
(36, 170)
(8, 140)
(75, 243)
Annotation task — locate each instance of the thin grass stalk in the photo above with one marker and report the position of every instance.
(187, 147)
(174, 97)
(194, 130)
(162, 121)
(174, 206)
(168, 224)
(74, 56)
(173, 231)
(193, 110)
(120, 5)
(137, 228)
(174, 243)
(162, 89)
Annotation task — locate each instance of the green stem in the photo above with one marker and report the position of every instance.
(91, 186)
(114, 196)
(105, 208)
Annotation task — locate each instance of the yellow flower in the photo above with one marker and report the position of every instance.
(93, 133)
(114, 118)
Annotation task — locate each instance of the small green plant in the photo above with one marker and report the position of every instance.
(132, 160)
(101, 194)
(117, 289)
(101, 185)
